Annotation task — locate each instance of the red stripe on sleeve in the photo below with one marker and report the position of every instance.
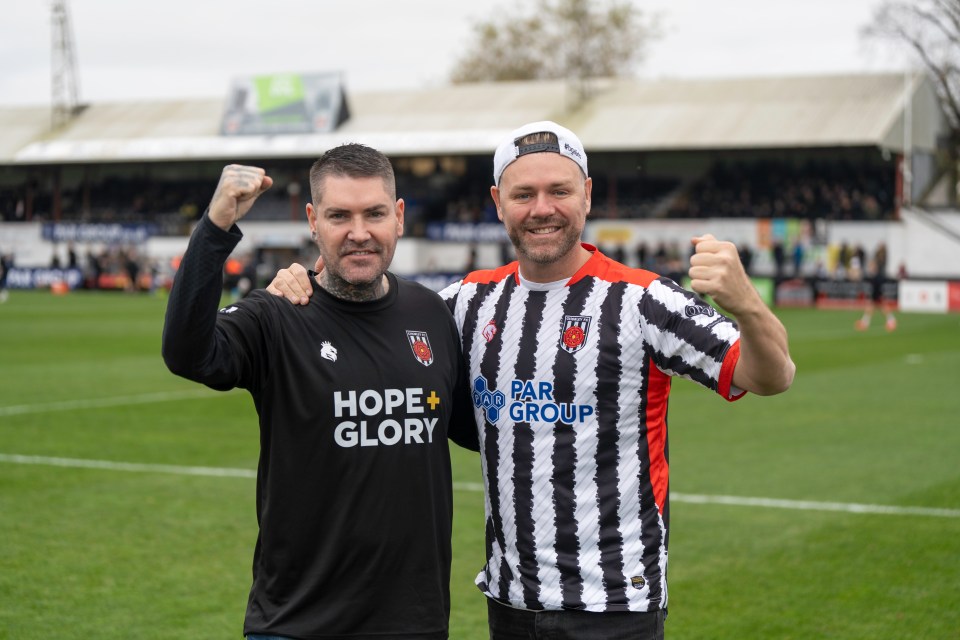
(725, 383)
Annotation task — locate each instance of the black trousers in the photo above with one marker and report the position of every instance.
(507, 623)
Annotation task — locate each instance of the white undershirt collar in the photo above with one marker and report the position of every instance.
(541, 286)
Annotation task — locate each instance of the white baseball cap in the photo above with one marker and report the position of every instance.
(568, 144)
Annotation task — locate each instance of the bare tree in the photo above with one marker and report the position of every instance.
(930, 29)
(562, 39)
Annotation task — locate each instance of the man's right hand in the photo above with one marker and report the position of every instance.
(293, 283)
(238, 189)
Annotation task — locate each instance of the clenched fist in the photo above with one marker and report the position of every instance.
(716, 271)
(238, 189)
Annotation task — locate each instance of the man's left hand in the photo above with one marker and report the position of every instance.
(716, 271)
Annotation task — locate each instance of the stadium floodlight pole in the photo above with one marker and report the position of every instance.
(63, 68)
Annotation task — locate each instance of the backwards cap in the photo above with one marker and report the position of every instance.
(568, 144)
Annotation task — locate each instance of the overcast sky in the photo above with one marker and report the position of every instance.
(134, 50)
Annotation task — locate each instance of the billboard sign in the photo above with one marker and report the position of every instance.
(109, 233)
(925, 295)
(285, 103)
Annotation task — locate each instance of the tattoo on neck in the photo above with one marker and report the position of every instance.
(363, 292)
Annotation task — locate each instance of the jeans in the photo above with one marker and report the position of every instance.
(507, 623)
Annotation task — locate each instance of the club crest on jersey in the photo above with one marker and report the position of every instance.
(573, 333)
(420, 344)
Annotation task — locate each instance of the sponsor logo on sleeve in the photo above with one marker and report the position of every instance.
(699, 310)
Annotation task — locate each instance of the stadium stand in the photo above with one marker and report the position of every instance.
(820, 149)
(835, 190)
(646, 139)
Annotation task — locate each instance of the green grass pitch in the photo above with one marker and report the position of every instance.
(140, 552)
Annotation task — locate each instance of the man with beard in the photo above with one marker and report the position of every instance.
(570, 356)
(356, 394)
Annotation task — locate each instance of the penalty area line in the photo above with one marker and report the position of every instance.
(688, 498)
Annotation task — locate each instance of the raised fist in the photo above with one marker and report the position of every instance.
(238, 189)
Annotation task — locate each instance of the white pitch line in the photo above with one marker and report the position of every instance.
(689, 498)
(222, 472)
(811, 505)
(96, 403)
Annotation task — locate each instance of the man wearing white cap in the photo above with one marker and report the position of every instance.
(570, 356)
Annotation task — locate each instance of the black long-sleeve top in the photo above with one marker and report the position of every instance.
(355, 403)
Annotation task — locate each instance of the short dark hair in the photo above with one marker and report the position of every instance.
(353, 161)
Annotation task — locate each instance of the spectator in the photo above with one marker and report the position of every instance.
(6, 263)
(779, 258)
(746, 257)
(797, 258)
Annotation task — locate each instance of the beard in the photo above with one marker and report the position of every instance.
(545, 252)
(356, 282)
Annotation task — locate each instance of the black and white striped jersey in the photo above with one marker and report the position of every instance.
(570, 384)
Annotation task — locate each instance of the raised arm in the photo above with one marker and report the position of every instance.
(238, 189)
(765, 367)
(189, 346)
